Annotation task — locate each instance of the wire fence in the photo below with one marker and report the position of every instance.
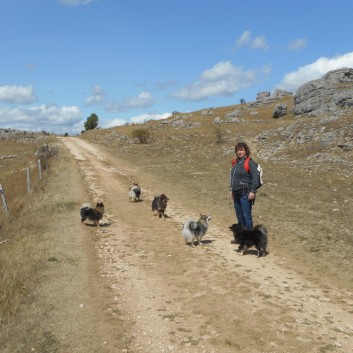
(19, 184)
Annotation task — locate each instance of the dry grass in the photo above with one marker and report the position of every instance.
(17, 158)
(21, 247)
(20, 260)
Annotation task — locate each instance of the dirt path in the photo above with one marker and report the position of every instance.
(169, 297)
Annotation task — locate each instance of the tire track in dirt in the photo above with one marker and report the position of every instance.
(307, 315)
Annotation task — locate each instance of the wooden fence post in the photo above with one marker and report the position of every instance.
(4, 201)
(28, 181)
(40, 169)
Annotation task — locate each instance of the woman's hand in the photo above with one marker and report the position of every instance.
(251, 196)
(231, 194)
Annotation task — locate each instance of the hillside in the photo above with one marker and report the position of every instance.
(308, 172)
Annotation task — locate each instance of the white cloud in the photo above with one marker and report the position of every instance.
(98, 96)
(244, 39)
(293, 80)
(44, 117)
(114, 122)
(223, 79)
(297, 44)
(75, 2)
(138, 119)
(143, 100)
(146, 117)
(220, 71)
(259, 42)
(17, 94)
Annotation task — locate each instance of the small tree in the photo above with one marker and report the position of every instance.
(91, 122)
(242, 101)
(142, 135)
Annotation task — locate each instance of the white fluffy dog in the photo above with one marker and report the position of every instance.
(195, 230)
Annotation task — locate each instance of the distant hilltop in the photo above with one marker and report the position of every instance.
(14, 135)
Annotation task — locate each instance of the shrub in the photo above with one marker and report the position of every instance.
(142, 135)
(219, 133)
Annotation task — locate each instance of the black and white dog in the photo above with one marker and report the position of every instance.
(195, 230)
(159, 205)
(248, 238)
(93, 214)
(134, 192)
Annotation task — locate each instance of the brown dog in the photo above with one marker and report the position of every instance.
(159, 204)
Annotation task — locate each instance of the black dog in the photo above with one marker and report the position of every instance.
(93, 214)
(248, 238)
(159, 204)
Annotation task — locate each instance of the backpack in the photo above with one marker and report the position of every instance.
(247, 168)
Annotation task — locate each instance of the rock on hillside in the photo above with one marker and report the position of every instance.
(332, 91)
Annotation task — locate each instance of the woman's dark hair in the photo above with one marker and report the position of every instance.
(242, 145)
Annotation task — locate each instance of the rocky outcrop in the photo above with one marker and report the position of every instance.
(279, 93)
(332, 91)
(265, 97)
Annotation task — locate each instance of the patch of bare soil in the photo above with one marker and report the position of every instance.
(131, 285)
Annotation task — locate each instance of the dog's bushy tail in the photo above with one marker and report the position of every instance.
(84, 208)
(188, 230)
(86, 205)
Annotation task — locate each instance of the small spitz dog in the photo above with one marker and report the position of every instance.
(93, 214)
(159, 204)
(248, 238)
(195, 230)
(134, 192)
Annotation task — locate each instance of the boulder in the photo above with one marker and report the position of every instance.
(279, 111)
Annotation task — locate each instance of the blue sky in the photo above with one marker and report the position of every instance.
(134, 60)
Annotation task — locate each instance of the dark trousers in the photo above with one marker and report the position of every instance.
(243, 210)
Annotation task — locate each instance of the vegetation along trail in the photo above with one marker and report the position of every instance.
(171, 297)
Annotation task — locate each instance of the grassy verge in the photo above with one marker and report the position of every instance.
(21, 249)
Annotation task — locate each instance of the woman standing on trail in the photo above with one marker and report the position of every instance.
(243, 185)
